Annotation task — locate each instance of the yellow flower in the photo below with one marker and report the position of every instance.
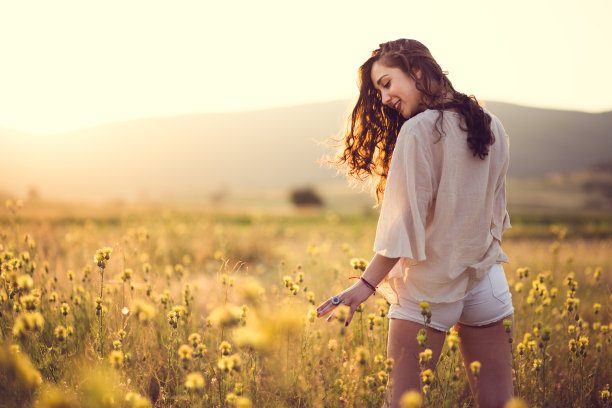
(427, 376)
(362, 355)
(65, 309)
(225, 348)
(425, 356)
(184, 352)
(227, 315)
(597, 273)
(424, 307)
(60, 333)
(531, 345)
(29, 302)
(225, 364)
(596, 308)
(194, 382)
(537, 363)
(116, 358)
(143, 310)
(332, 345)
(516, 403)
(136, 400)
(382, 377)
(411, 399)
(126, 275)
(194, 339)
(475, 368)
(452, 340)
(389, 365)
(172, 319)
(102, 256)
(25, 283)
(28, 322)
(422, 337)
(312, 315)
(508, 325)
(243, 402)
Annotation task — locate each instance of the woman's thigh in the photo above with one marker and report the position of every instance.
(404, 349)
(490, 346)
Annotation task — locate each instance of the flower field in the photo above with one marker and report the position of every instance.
(210, 309)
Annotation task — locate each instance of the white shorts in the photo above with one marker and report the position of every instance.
(487, 302)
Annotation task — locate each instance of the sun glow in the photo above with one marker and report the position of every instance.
(72, 64)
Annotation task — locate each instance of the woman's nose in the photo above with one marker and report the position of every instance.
(385, 98)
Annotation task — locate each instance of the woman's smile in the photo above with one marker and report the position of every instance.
(397, 89)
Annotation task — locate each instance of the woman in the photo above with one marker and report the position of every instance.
(441, 163)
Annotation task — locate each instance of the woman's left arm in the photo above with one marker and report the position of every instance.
(352, 297)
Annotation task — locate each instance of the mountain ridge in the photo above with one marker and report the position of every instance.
(276, 148)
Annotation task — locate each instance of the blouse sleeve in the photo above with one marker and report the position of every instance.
(501, 219)
(400, 232)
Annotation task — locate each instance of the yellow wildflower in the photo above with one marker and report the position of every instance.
(516, 403)
(362, 355)
(194, 339)
(116, 358)
(537, 363)
(475, 368)
(225, 348)
(243, 402)
(184, 353)
(194, 382)
(411, 399)
(427, 376)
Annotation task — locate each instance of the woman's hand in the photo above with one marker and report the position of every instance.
(351, 297)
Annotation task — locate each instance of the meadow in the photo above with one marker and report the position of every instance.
(194, 308)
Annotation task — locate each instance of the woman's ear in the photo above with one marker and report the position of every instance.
(418, 73)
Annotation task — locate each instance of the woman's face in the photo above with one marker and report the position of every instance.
(397, 90)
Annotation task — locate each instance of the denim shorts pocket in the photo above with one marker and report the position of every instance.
(499, 284)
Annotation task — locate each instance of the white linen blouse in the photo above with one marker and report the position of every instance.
(444, 210)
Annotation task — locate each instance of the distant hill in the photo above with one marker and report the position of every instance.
(205, 154)
(544, 140)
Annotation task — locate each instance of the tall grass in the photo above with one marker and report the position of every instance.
(214, 310)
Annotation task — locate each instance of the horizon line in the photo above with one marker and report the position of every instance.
(269, 108)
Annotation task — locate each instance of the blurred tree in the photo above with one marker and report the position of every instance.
(306, 197)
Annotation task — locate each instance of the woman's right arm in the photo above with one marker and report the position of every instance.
(352, 297)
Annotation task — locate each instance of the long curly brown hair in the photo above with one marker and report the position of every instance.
(372, 128)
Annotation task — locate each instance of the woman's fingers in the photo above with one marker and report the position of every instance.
(324, 308)
(350, 315)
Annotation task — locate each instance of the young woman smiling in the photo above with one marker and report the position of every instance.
(440, 162)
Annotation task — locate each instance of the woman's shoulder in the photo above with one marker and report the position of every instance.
(422, 124)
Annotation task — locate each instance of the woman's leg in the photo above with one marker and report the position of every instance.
(489, 345)
(404, 349)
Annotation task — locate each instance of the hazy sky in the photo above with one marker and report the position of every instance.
(71, 64)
